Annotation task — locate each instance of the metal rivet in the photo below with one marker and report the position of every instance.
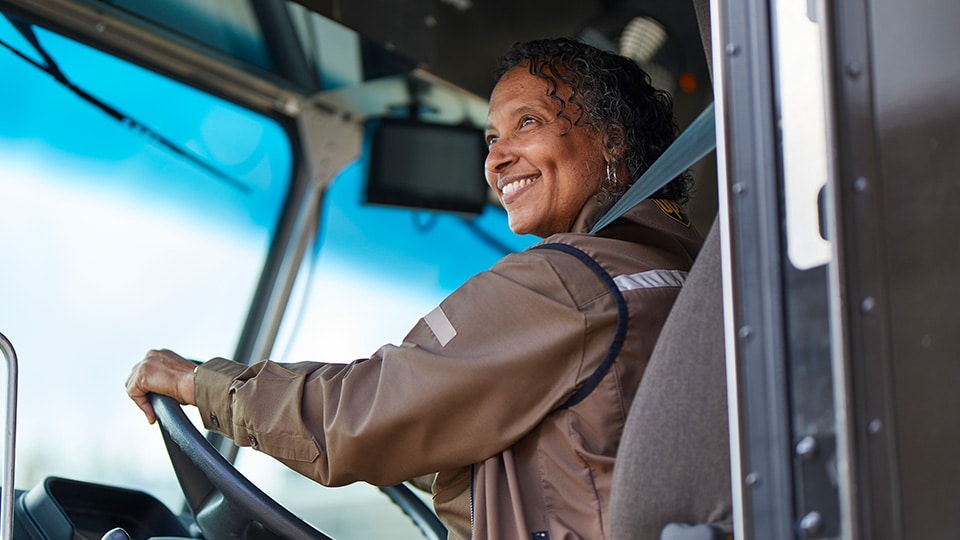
(854, 69)
(745, 332)
(811, 523)
(925, 341)
(100, 27)
(752, 479)
(868, 304)
(430, 21)
(874, 426)
(739, 188)
(860, 184)
(733, 49)
(807, 448)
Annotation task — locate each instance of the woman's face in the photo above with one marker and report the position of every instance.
(543, 168)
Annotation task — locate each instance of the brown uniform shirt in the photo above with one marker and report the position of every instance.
(515, 388)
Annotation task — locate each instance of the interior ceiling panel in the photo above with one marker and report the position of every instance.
(460, 40)
(456, 41)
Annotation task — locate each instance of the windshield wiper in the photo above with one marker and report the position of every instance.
(51, 67)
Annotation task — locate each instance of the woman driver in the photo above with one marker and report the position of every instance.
(514, 390)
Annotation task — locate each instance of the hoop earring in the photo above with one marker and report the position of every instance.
(611, 176)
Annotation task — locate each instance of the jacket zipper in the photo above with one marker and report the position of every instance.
(472, 475)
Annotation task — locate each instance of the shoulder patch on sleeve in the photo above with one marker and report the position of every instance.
(441, 326)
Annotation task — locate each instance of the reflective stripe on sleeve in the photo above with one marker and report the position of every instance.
(440, 325)
(650, 279)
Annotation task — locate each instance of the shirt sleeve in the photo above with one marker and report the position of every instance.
(470, 379)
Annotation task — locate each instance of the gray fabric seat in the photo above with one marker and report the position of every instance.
(673, 465)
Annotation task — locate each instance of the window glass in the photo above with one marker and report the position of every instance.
(117, 236)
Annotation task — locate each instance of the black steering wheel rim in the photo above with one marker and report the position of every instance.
(224, 502)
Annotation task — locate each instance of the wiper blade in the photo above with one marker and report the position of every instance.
(51, 67)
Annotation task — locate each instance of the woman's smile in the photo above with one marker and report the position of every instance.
(511, 188)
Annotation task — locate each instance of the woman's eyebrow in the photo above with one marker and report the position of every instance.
(528, 108)
(522, 110)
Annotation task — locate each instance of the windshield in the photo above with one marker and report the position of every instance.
(120, 235)
(137, 213)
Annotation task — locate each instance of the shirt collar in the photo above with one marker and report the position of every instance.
(588, 215)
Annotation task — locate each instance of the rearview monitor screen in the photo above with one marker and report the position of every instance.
(429, 166)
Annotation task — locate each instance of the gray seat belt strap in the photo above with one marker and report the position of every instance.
(695, 142)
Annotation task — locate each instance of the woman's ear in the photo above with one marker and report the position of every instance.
(612, 152)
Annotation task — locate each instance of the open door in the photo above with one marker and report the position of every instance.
(842, 356)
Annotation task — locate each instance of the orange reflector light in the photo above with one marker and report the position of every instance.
(688, 82)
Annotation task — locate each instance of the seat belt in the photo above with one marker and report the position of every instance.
(695, 142)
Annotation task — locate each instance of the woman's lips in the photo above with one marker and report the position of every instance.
(512, 188)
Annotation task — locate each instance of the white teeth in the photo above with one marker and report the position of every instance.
(512, 186)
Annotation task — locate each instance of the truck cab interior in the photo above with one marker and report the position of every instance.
(810, 359)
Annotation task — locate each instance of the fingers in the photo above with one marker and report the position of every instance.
(162, 372)
(137, 389)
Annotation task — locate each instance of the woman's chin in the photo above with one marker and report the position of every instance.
(527, 223)
(519, 226)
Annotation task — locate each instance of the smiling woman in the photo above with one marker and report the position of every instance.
(527, 363)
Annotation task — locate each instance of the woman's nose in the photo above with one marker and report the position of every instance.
(498, 157)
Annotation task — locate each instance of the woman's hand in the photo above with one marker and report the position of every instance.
(161, 372)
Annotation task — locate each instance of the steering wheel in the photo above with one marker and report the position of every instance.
(226, 505)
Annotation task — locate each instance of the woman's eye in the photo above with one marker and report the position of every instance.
(490, 140)
(527, 121)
